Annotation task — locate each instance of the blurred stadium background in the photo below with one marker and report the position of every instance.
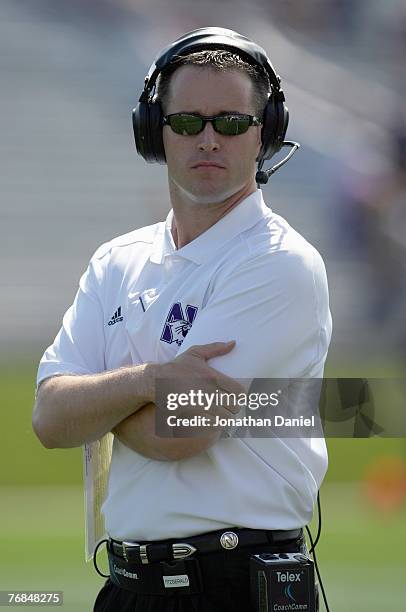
(70, 72)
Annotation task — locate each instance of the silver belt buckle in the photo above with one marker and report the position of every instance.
(229, 540)
(182, 550)
(126, 545)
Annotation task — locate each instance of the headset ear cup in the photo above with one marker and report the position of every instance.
(274, 125)
(139, 127)
(147, 126)
(268, 130)
(281, 131)
(155, 132)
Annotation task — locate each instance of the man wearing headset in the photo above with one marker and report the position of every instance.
(223, 289)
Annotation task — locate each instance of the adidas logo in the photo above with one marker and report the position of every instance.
(116, 318)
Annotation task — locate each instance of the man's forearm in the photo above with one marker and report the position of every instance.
(71, 410)
(138, 433)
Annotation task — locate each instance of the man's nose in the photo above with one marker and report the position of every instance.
(208, 139)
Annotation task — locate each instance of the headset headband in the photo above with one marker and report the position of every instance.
(216, 38)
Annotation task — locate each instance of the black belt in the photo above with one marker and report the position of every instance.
(214, 541)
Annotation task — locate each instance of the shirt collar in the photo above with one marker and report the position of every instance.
(248, 212)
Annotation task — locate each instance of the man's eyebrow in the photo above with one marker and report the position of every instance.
(232, 112)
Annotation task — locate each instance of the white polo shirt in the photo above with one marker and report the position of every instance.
(249, 278)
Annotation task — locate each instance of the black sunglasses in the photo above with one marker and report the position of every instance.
(230, 124)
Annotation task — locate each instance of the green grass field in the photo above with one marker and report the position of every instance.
(361, 553)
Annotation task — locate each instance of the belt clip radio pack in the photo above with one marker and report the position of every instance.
(282, 582)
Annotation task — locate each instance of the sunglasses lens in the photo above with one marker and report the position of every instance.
(231, 125)
(227, 125)
(187, 125)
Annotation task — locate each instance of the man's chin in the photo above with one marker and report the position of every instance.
(209, 199)
(206, 195)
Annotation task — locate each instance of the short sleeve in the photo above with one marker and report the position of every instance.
(275, 306)
(79, 347)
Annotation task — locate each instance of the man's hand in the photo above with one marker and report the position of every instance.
(138, 430)
(193, 364)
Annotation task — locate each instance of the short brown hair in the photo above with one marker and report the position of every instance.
(221, 61)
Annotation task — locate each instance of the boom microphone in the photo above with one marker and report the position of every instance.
(262, 176)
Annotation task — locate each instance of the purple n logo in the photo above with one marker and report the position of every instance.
(178, 324)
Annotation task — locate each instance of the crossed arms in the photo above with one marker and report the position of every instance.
(279, 315)
(72, 410)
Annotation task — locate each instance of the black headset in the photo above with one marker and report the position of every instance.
(148, 115)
